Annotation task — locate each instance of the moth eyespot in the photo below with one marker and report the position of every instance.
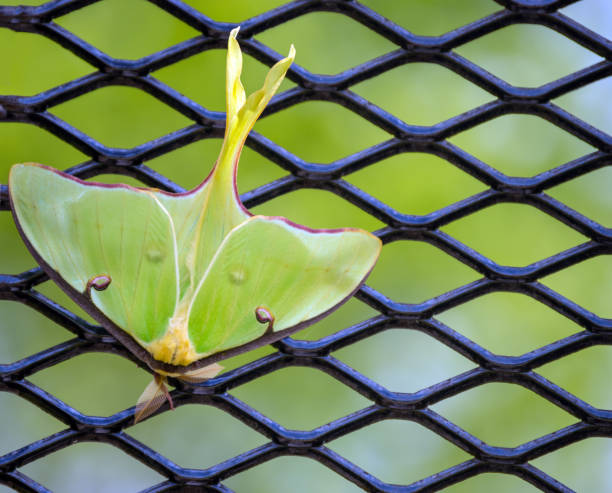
(238, 275)
(155, 256)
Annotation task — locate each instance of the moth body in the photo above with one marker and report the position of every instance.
(186, 280)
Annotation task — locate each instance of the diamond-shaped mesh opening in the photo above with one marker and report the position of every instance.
(588, 195)
(521, 145)
(527, 64)
(584, 374)
(127, 30)
(34, 65)
(337, 42)
(509, 323)
(520, 235)
(380, 448)
(404, 360)
(184, 436)
(323, 132)
(405, 183)
(81, 464)
(403, 93)
(318, 410)
(91, 383)
(591, 281)
(595, 452)
(413, 271)
(585, 103)
(487, 412)
(125, 117)
(277, 396)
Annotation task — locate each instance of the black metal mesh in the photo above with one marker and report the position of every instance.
(316, 354)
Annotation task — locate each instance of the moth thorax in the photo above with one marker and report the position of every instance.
(174, 347)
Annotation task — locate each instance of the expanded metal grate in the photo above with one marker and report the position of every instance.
(316, 354)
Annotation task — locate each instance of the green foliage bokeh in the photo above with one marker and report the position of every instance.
(410, 272)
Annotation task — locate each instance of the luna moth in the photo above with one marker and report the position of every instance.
(185, 280)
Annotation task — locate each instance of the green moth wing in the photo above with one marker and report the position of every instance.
(291, 273)
(185, 280)
(92, 235)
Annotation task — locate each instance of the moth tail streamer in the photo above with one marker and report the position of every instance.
(154, 395)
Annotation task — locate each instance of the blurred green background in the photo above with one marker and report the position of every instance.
(401, 360)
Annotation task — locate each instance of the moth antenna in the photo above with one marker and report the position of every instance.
(154, 395)
(264, 316)
(99, 283)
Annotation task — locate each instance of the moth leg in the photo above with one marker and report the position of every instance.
(265, 316)
(99, 283)
(164, 388)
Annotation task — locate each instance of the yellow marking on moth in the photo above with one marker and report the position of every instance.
(175, 347)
